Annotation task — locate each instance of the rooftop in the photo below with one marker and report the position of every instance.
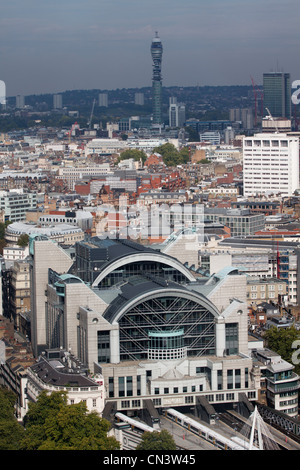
(58, 372)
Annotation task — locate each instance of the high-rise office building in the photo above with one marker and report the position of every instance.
(244, 115)
(139, 99)
(277, 93)
(103, 100)
(156, 53)
(271, 164)
(176, 113)
(57, 101)
(20, 101)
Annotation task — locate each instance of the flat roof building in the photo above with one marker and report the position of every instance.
(240, 221)
(270, 164)
(66, 234)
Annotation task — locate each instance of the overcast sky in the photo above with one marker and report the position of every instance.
(49, 46)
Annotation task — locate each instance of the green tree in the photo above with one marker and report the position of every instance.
(172, 156)
(23, 240)
(136, 154)
(193, 135)
(3, 226)
(52, 424)
(157, 441)
(11, 432)
(280, 340)
(7, 402)
(2, 245)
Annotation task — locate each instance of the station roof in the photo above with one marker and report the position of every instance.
(106, 252)
(138, 286)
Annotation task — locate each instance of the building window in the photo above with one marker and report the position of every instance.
(246, 377)
(138, 385)
(220, 379)
(237, 376)
(121, 386)
(125, 404)
(232, 338)
(189, 399)
(111, 387)
(230, 379)
(103, 346)
(230, 396)
(129, 386)
(136, 403)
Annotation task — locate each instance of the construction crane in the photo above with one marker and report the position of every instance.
(91, 116)
(272, 119)
(255, 89)
(72, 128)
(296, 119)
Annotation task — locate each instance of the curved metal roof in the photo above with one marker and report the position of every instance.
(116, 253)
(70, 277)
(141, 288)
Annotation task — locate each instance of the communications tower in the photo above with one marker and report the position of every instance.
(156, 53)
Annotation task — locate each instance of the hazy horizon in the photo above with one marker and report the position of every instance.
(105, 44)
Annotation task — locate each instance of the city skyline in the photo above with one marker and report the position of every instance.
(105, 45)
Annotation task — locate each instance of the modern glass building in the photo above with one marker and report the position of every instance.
(106, 262)
(277, 93)
(241, 222)
(156, 53)
(162, 320)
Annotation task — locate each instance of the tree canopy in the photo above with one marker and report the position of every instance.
(157, 441)
(23, 240)
(11, 432)
(136, 154)
(52, 424)
(281, 341)
(172, 156)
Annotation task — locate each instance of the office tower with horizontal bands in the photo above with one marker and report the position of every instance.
(103, 100)
(156, 53)
(277, 93)
(57, 101)
(271, 164)
(139, 99)
(176, 113)
(20, 101)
